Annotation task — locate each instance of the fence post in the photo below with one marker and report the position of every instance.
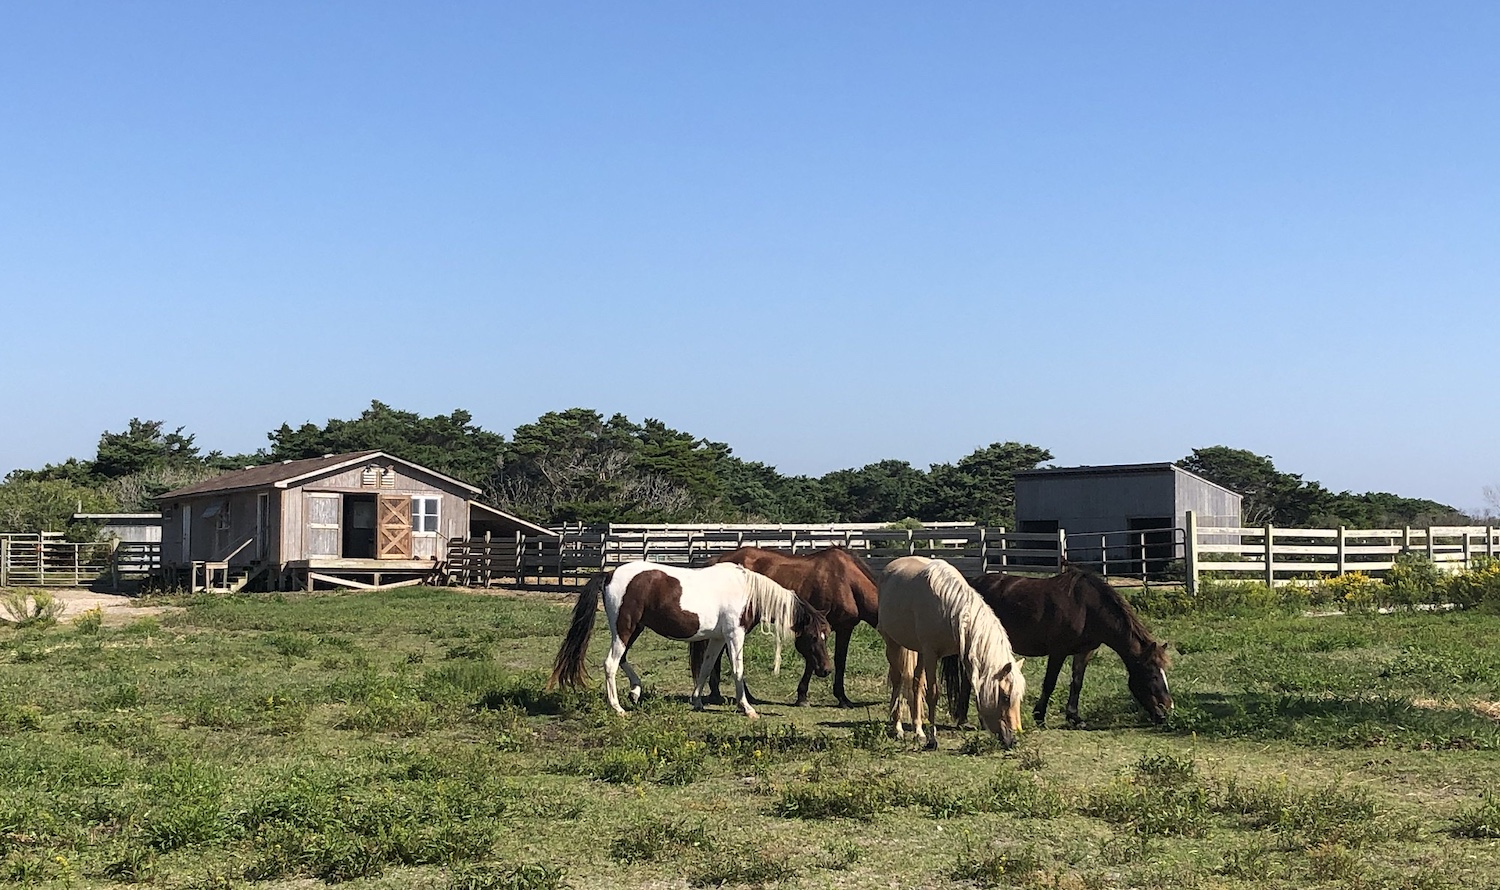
(4, 562)
(1489, 542)
(1190, 552)
(1431, 552)
(1270, 557)
(1062, 547)
(1341, 551)
(1405, 538)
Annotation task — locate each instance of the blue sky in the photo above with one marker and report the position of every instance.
(824, 233)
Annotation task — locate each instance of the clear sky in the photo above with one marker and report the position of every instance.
(824, 233)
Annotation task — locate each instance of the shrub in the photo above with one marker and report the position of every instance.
(31, 608)
(89, 621)
(1413, 579)
(1354, 592)
(998, 868)
(523, 876)
(1478, 585)
(652, 841)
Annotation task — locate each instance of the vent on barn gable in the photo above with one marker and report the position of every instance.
(377, 477)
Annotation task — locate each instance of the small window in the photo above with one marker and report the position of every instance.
(424, 515)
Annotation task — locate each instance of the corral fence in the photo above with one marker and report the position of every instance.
(48, 561)
(1278, 556)
(529, 561)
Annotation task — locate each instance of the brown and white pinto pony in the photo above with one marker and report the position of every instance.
(928, 612)
(833, 581)
(718, 604)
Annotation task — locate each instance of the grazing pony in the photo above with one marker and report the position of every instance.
(928, 612)
(717, 603)
(833, 581)
(1072, 614)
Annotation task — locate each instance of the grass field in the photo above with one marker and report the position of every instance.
(404, 739)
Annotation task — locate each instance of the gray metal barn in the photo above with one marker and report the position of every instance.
(1099, 506)
(361, 519)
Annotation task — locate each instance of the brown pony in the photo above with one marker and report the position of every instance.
(1072, 614)
(833, 581)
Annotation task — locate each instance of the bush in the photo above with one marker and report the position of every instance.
(1354, 592)
(31, 608)
(1413, 579)
(1478, 585)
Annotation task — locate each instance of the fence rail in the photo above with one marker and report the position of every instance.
(36, 561)
(1282, 555)
(497, 560)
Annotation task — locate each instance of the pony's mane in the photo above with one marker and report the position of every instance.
(1113, 601)
(983, 644)
(773, 605)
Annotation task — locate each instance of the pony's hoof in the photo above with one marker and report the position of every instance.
(1077, 724)
(801, 701)
(930, 746)
(845, 703)
(715, 700)
(635, 696)
(751, 715)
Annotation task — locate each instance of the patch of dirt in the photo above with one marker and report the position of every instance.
(1489, 709)
(115, 609)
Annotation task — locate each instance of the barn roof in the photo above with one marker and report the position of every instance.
(1122, 470)
(289, 471)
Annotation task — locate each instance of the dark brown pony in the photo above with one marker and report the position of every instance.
(1072, 614)
(833, 581)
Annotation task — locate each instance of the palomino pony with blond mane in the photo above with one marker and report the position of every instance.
(927, 612)
(717, 603)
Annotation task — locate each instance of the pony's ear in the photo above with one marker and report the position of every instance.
(1005, 670)
(1020, 663)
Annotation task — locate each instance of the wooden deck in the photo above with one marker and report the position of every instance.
(360, 574)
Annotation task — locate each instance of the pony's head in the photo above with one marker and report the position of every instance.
(811, 630)
(1148, 680)
(998, 700)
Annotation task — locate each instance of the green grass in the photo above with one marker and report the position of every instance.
(405, 739)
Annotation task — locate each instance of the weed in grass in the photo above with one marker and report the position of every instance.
(1481, 820)
(290, 645)
(1305, 817)
(1152, 810)
(524, 876)
(391, 716)
(130, 865)
(1031, 758)
(19, 718)
(30, 608)
(997, 868)
(1332, 862)
(871, 735)
(89, 622)
(122, 697)
(861, 798)
(749, 866)
(655, 840)
(1029, 796)
(1162, 768)
(1246, 863)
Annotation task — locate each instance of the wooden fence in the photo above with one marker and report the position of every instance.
(516, 560)
(36, 561)
(1282, 555)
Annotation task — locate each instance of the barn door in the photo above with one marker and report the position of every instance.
(393, 540)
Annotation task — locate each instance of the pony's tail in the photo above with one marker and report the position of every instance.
(568, 669)
(959, 687)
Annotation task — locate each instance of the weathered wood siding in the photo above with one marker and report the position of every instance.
(453, 507)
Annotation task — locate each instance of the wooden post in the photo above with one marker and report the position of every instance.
(1062, 547)
(1270, 557)
(1489, 543)
(1342, 531)
(114, 565)
(4, 562)
(76, 573)
(1190, 552)
(1104, 554)
(1405, 538)
(1431, 552)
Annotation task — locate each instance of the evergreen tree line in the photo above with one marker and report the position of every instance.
(579, 466)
